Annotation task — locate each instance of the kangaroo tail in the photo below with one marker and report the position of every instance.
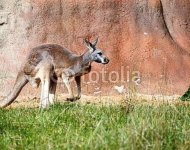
(21, 81)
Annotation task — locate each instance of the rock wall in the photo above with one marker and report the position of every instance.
(147, 41)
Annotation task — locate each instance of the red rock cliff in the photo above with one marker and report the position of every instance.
(147, 41)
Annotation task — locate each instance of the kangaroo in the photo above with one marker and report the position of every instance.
(46, 63)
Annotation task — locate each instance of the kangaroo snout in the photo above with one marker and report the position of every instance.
(106, 61)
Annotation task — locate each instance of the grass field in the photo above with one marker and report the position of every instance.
(75, 126)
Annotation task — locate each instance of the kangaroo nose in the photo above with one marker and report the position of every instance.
(106, 60)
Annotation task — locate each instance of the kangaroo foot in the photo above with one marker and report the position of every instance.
(77, 98)
(70, 99)
(73, 99)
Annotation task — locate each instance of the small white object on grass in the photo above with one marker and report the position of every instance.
(120, 89)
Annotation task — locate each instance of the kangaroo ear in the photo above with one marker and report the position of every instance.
(95, 42)
(89, 45)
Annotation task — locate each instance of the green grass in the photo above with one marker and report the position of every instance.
(74, 126)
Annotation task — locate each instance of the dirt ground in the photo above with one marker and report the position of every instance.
(33, 102)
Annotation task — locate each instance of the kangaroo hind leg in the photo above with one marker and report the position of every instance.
(52, 89)
(44, 98)
(44, 75)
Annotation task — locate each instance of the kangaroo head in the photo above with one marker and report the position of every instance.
(96, 54)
